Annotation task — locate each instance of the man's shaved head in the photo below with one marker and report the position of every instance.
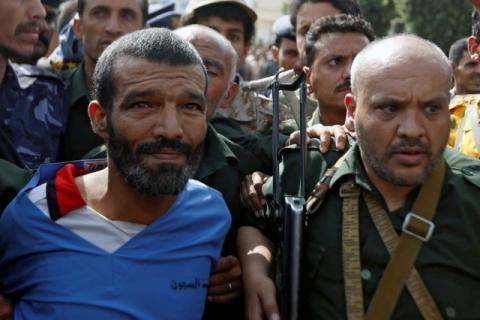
(400, 108)
(398, 50)
(202, 36)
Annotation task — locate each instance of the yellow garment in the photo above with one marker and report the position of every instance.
(458, 108)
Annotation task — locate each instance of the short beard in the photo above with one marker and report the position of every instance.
(163, 180)
(374, 161)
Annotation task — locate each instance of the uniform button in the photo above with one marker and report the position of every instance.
(366, 274)
(450, 311)
(467, 171)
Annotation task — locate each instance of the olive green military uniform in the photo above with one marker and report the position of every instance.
(12, 179)
(449, 263)
(79, 137)
(257, 144)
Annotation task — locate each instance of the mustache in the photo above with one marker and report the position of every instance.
(343, 86)
(411, 142)
(159, 145)
(27, 26)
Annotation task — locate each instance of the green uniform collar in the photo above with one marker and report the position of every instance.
(216, 154)
(352, 166)
(78, 86)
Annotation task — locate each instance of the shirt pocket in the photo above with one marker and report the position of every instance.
(313, 256)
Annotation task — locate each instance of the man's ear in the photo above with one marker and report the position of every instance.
(472, 45)
(275, 50)
(98, 119)
(231, 94)
(452, 64)
(308, 75)
(351, 105)
(77, 27)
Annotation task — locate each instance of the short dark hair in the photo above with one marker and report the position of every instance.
(225, 11)
(350, 7)
(476, 24)
(457, 50)
(278, 40)
(154, 44)
(342, 23)
(144, 4)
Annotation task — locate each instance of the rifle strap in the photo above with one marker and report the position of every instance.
(415, 285)
(351, 251)
(417, 229)
(316, 197)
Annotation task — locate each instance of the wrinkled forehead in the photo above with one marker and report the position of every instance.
(208, 44)
(128, 69)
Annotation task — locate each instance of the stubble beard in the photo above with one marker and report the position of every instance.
(376, 161)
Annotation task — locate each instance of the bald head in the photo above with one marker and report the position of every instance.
(382, 56)
(201, 36)
(220, 59)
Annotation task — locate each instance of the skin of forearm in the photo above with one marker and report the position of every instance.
(255, 251)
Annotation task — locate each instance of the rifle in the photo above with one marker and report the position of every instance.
(288, 213)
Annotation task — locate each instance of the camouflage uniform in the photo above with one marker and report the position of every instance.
(465, 130)
(254, 112)
(69, 52)
(33, 112)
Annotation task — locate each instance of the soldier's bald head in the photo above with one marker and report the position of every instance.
(203, 36)
(398, 51)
